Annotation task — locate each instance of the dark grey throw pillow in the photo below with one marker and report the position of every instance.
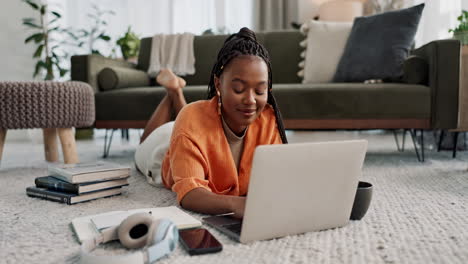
(378, 45)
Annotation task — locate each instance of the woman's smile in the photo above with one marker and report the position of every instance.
(248, 112)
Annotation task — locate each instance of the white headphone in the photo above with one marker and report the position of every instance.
(159, 238)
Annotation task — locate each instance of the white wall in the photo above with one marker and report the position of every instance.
(17, 62)
(309, 8)
(464, 5)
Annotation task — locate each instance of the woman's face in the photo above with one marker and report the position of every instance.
(243, 87)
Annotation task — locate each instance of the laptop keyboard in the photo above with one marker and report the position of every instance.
(235, 228)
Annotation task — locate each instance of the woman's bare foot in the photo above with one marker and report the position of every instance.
(168, 79)
(182, 82)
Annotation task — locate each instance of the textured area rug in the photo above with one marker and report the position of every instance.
(418, 213)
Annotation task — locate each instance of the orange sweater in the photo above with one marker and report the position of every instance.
(199, 153)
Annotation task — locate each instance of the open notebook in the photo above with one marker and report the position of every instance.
(87, 227)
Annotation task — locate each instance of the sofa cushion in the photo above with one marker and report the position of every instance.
(415, 70)
(353, 101)
(118, 77)
(325, 44)
(296, 101)
(378, 45)
(284, 50)
(138, 103)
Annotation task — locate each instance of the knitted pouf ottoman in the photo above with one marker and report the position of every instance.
(56, 107)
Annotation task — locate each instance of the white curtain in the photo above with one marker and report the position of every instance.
(150, 17)
(275, 14)
(438, 17)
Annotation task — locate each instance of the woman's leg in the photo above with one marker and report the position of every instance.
(174, 100)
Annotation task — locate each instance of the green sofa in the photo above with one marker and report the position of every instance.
(430, 102)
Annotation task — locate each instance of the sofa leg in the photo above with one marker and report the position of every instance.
(125, 134)
(455, 141)
(441, 137)
(413, 136)
(50, 144)
(2, 141)
(402, 148)
(107, 142)
(67, 139)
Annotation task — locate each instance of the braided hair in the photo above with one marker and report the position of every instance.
(245, 43)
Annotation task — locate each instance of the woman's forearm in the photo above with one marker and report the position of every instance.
(203, 201)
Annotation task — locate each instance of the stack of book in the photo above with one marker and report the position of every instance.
(80, 182)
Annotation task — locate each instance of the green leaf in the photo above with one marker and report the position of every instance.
(43, 9)
(56, 14)
(56, 57)
(53, 29)
(53, 21)
(50, 69)
(104, 37)
(62, 72)
(29, 19)
(38, 52)
(72, 35)
(38, 37)
(40, 64)
(110, 12)
(31, 24)
(32, 4)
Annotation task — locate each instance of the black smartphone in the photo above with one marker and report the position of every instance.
(199, 241)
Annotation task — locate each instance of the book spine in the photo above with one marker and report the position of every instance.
(57, 186)
(34, 192)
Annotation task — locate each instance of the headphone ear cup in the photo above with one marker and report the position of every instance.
(158, 231)
(152, 232)
(133, 232)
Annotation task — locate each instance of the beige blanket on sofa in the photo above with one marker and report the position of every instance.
(173, 52)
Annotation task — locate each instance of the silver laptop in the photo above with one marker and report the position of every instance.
(297, 188)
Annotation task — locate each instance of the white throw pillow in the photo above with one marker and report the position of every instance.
(325, 44)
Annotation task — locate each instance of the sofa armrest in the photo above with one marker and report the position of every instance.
(86, 68)
(443, 58)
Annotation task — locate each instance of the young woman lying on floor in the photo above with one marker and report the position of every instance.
(205, 156)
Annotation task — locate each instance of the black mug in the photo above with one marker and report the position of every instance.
(361, 200)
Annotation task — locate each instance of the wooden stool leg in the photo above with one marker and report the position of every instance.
(2, 140)
(50, 144)
(67, 139)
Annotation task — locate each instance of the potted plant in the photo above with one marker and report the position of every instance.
(129, 45)
(461, 31)
(48, 54)
(97, 32)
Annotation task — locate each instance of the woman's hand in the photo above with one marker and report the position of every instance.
(238, 206)
(203, 201)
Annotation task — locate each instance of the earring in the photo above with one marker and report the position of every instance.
(219, 104)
